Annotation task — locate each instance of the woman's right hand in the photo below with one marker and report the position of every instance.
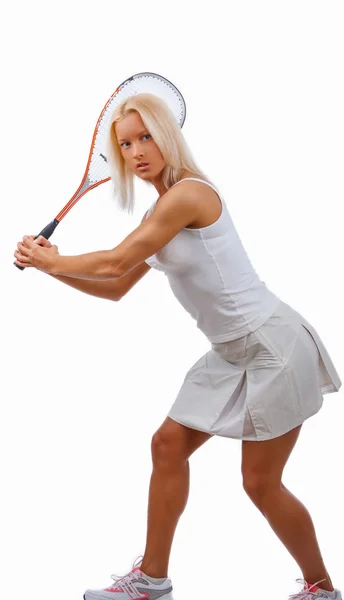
(19, 253)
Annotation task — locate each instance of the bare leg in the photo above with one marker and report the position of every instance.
(172, 445)
(292, 523)
(168, 495)
(262, 467)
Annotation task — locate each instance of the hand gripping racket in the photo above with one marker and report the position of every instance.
(97, 170)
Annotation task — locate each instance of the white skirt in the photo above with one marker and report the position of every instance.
(261, 385)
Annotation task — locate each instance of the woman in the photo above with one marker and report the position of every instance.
(267, 369)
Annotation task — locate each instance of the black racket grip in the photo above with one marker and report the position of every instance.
(46, 233)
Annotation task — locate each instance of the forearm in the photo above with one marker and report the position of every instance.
(109, 290)
(102, 265)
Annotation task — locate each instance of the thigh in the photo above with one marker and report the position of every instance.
(268, 457)
(184, 439)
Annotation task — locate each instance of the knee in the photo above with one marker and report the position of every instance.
(167, 449)
(256, 485)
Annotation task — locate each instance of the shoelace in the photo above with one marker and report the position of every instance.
(305, 594)
(128, 578)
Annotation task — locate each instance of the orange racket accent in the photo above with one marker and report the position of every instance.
(75, 197)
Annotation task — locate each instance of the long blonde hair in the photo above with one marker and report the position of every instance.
(161, 123)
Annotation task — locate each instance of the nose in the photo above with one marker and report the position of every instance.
(137, 152)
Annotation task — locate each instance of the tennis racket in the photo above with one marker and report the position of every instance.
(97, 170)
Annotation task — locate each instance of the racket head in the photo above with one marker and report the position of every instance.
(97, 169)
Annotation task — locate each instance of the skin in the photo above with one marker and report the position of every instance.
(179, 209)
(137, 145)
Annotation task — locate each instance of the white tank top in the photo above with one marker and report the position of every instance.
(212, 277)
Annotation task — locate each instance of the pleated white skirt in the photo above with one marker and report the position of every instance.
(261, 385)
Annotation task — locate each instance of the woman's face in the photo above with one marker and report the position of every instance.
(137, 145)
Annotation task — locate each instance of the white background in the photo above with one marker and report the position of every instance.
(86, 382)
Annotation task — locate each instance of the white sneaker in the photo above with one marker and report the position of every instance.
(132, 586)
(312, 591)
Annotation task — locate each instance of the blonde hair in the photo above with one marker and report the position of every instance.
(161, 123)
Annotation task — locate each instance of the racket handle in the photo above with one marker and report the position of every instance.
(46, 233)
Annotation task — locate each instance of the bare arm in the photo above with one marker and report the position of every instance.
(179, 208)
(110, 289)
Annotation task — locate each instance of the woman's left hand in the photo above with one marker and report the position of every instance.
(31, 254)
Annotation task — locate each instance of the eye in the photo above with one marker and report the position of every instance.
(143, 136)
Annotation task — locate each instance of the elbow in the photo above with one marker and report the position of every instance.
(112, 274)
(110, 271)
(113, 269)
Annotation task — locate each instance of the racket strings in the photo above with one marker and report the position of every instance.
(97, 170)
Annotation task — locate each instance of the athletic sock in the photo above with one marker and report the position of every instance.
(155, 580)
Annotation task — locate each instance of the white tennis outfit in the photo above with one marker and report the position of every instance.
(267, 370)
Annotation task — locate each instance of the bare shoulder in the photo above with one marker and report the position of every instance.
(188, 203)
(194, 187)
(205, 200)
(180, 202)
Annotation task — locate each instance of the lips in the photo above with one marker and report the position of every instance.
(142, 164)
